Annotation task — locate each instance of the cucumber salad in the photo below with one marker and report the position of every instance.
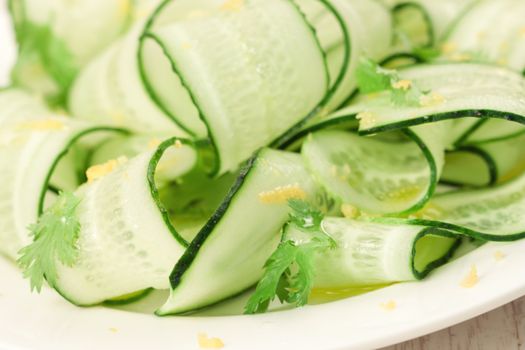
(277, 148)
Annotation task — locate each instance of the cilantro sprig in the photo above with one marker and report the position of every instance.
(290, 270)
(55, 240)
(372, 78)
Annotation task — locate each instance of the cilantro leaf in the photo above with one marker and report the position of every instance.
(301, 283)
(290, 270)
(408, 97)
(272, 280)
(371, 77)
(304, 215)
(55, 240)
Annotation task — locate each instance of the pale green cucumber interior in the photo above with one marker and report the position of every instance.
(466, 168)
(412, 26)
(375, 175)
(192, 199)
(429, 249)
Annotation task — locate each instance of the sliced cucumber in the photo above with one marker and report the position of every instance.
(426, 22)
(373, 175)
(109, 91)
(30, 153)
(487, 163)
(213, 267)
(18, 105)
(494, 130)
(469, 166)
(364, 35)
(413, 26)
(474, 38)
(488, 214)
(370, 254)
(57, 38)
(460, 90)
(127, 242)
(218, 57)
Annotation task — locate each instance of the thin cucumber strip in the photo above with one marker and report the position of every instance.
(363, 35)
(129, 299)
(496, 94)
(127, 242)
(57, 39)
(331, 33)
(370, 254)
(494, 130)
(258, 204)
(375, 176)
(487, 163)
(354, 45)
(378, 175)
(473, 38)
(508, 156)
(153, 64)
(259, 70)
(399, 60)
(130, 146)
(81, 34)
(127, 146)
(426, 22)
(109, 91)
(30, 152)
(463, 128)
(191, 198)
(469, 166)
(414, 27)
(489, 214)
(66, 173)
(18, 105)
(459, 90)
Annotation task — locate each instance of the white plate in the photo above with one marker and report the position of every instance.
(30, 321)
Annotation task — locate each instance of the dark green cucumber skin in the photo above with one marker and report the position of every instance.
(152, 169)
(453, 228)
(189, 256)
(436, 263)
(285, 139)
(424, 119)
(46, 184)
(430, 28)
(131, 300)
(483, 114)
(431, 118)
(469, 132)
(487, 158)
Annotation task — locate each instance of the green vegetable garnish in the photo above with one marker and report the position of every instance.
(372, 78)
(55, 240)
(290, 271)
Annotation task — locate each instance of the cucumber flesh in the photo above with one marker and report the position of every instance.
(370, 254)
(258, 204)
(220, 56)
(30, 152)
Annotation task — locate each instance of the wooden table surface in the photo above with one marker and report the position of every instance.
(501, 329)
